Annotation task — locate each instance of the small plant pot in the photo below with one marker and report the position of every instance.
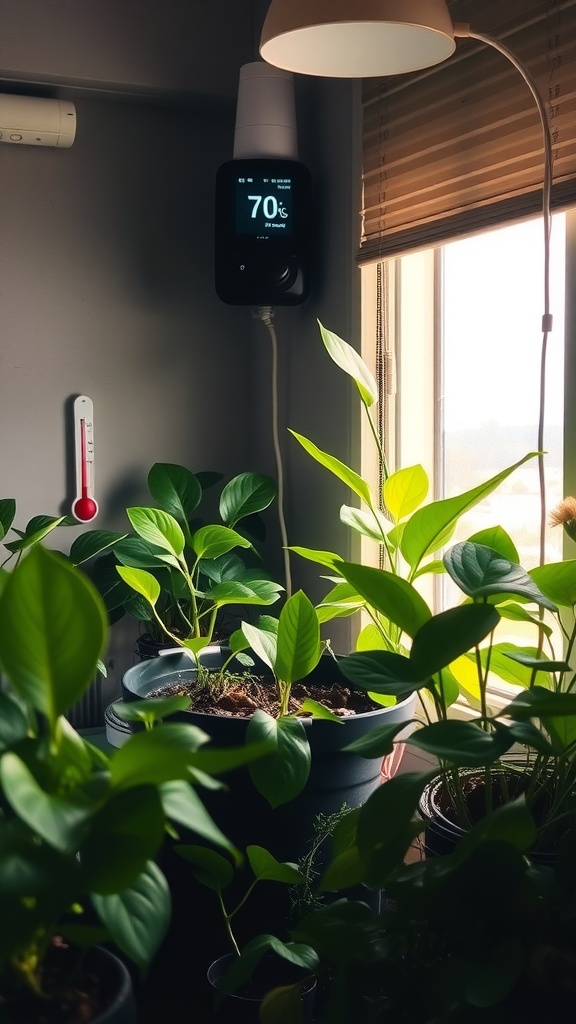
(243, 1007)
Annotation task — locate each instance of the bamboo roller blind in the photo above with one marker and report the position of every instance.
(458, 148)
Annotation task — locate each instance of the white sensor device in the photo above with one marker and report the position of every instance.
(37, 121)
(265, 114)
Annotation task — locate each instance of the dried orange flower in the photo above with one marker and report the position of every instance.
(565, 515)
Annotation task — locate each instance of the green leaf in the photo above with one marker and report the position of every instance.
(263, 643)
(53, 628)
(391, 595)
(182, 805)
(379, 742)
(211, 868)
(558, 581)
(131, 823)
(237, 592)
(138, 917)
(242, 968)
(481, 572)
(349, 360)
(299, 647)
(245, 495)
(464, 743)
(327, 558)
(283, 775)
(140, 554)
(404, 491)
(152, 710)
(37, 529)
(372, 524)
(92, 543)
(538, 703)
(267, 868)
(213, 541)
(338, 469)
(319, 711)
(144, 583)
(424, 531)
(59, 821)
(382, 672)
(156, 756)
(175, 489)
(495, 537)
(13, 722)
(7, 513)
(450, 634)
(159, 528)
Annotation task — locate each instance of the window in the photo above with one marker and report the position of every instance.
(460, 344)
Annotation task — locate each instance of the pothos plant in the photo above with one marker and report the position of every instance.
(216, 871)
(64, 805)
(177, 573)
(457, 653)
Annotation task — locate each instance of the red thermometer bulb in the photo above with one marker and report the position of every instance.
(84, 506)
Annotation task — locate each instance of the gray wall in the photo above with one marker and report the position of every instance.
(106, 271)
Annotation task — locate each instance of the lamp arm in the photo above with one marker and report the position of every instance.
(463, 31)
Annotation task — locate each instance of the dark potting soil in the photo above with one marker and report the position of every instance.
(241, 697)
(75, 993)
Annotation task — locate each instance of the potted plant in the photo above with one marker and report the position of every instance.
(177, 574)
(80, 831)
(244, 977)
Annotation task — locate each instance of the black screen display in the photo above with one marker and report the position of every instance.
(264, 205)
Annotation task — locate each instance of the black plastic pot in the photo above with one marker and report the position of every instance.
(243, 1008)
(442, 834)
(337, 778)
(122, 1009)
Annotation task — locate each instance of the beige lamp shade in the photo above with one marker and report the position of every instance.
(356, 38)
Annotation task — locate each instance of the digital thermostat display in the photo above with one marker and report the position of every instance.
(264, 205)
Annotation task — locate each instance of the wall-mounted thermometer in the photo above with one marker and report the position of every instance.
(84, 506)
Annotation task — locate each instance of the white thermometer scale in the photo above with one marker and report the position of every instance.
(84, 506)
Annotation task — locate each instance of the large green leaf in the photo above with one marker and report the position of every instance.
(131, 823)
(245, 495)
(481, 572)
(450, 634)
(213, 541)
(159, 528)
(13, 721)
(92, 543)
(339, 469)
(241, 968)
(349, 360)
(283, 775)
(53, 629)
(299, 647)
(405, 490)
(466, 744)
(424, 531)
(391, 595)
(138, 917)
(175, 489)
(58, 820)
(383, 672)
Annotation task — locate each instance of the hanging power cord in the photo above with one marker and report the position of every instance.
(266, 315)
(463, 31)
